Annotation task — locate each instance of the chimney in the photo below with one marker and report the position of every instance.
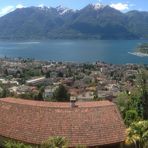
(73, 102)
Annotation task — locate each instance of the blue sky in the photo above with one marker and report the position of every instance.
(123, 5)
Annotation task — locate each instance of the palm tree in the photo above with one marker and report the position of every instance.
(131, 137)
(137, 134)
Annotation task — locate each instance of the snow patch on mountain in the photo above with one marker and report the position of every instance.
(98, 6)
(63, 10)
(43, 7)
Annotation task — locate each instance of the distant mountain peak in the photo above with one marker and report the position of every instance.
(61, 7)
(43, 7)
(98, 6)
(63, 10)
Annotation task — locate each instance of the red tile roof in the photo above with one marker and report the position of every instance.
(90, 124)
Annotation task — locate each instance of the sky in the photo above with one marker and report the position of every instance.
(7, 6)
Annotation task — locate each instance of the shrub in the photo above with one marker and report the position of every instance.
(13, 144)
(55, 142)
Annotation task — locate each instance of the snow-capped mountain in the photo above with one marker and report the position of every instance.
(93, 21)
(43, 8)
(63, 10)
(98, 6)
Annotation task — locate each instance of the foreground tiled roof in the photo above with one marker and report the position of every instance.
(90, 123)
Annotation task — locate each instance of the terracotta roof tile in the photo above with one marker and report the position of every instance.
(91, 123)
(56, 104)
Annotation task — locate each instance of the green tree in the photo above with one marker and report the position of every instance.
(122, 103)
(61, 94)
(143, 87)
(130, 106)
(95, 96)
(48, 74)
(131, 116)
(55, 142)
(5, 92)
(40, 95)
(60, 74)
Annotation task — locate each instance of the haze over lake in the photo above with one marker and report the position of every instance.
(111, 51)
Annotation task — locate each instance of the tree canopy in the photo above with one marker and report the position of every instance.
(61, 94)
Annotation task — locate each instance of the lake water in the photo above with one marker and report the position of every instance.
(111, 51)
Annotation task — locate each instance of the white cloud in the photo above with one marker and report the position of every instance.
(120, 6)
(9, 9)
(6, 10)
(19, 6)
(41, 5)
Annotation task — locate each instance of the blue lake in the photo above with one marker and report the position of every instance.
(111, 51)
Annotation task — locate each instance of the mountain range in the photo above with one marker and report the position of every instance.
(95, 21)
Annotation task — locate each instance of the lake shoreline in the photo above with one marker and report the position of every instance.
(139, 54)
(77, 51)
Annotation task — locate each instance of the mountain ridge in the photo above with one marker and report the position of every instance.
(93, 21)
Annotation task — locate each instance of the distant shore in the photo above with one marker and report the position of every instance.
(139, 54)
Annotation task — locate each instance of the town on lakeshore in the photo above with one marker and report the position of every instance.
(77, 104)
(48, 101)
(59, 104)
(81, 85)
(37, 80)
